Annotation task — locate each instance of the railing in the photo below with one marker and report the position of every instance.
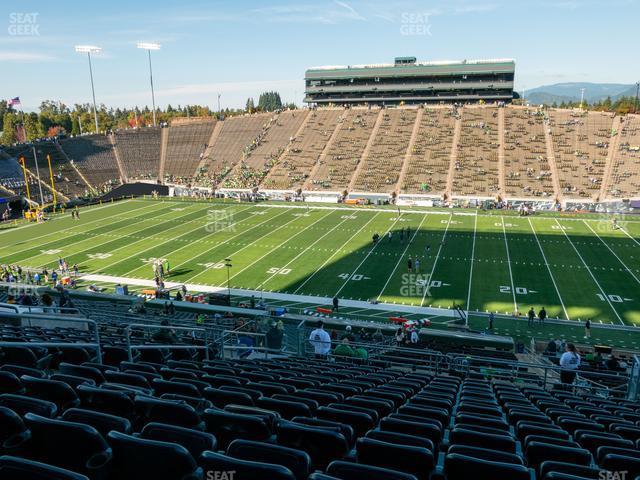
(232, 335)
(180, 346)
(45, 318)
(547, 375)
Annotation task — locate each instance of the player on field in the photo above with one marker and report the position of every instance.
(410, 265)
(417, 265)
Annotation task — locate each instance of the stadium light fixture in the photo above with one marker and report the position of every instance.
(89, 49)
(148, 46)
(228, 265)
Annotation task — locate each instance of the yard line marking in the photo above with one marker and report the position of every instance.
(401, 257)
(222, 243)
(553, 280)
(269, 252)
(473, 252)
(58, 232)
(367, 255)
(189, 244)
(111, 239)
(604, 295)
(71, 244)
(614, 253)
(627, 234)
(303, 251)
(513, 287)
(335, 253)
(435, 262)
(61, 217)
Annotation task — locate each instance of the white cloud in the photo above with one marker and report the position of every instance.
(25, 57)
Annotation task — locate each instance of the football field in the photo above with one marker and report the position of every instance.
(576, 267)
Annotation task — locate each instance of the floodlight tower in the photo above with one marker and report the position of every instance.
(148, 46)
(89, 49)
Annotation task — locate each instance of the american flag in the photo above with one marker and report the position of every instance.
(13, 101)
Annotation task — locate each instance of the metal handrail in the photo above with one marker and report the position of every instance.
(228, 333)
(42, 317)
(131, 347)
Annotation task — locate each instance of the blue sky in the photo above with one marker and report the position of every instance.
(240, 48)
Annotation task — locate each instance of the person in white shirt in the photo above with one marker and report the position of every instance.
(320, 340)
(569, 361)
(414, 336)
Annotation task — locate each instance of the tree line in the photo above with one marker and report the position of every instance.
(56, 118)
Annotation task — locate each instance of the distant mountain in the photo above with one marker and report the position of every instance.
(570, 92)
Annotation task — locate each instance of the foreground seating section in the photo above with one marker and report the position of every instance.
(297, 418)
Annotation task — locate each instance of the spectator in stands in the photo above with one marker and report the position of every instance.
(47, 303)
(344, 349)
(245, 342)
(491, 317)
(348, 334)
(274, 337)
(165, 335)
(413, 336)
(335, 304)
(569, 361)
(361, 353)
(552, 347)
(612, 363)
(320, 340)
(178, 296)
(400, 337)
(364, 335)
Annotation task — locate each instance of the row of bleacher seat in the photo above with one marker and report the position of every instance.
(383, 162)
(95, 158)
(260, 150)
(303, 152)
(430, 156)
(139, 151)
(476, 168)
(527, 170)
(293, 418)
(342, 157)
(580, 143)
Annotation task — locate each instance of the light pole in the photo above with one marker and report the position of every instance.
(227, 263)
(148, 46)
(89, 49)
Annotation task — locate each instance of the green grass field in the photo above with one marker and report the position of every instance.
(576, 267)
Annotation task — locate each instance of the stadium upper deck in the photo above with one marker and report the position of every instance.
(407, 81)
(440, 152)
